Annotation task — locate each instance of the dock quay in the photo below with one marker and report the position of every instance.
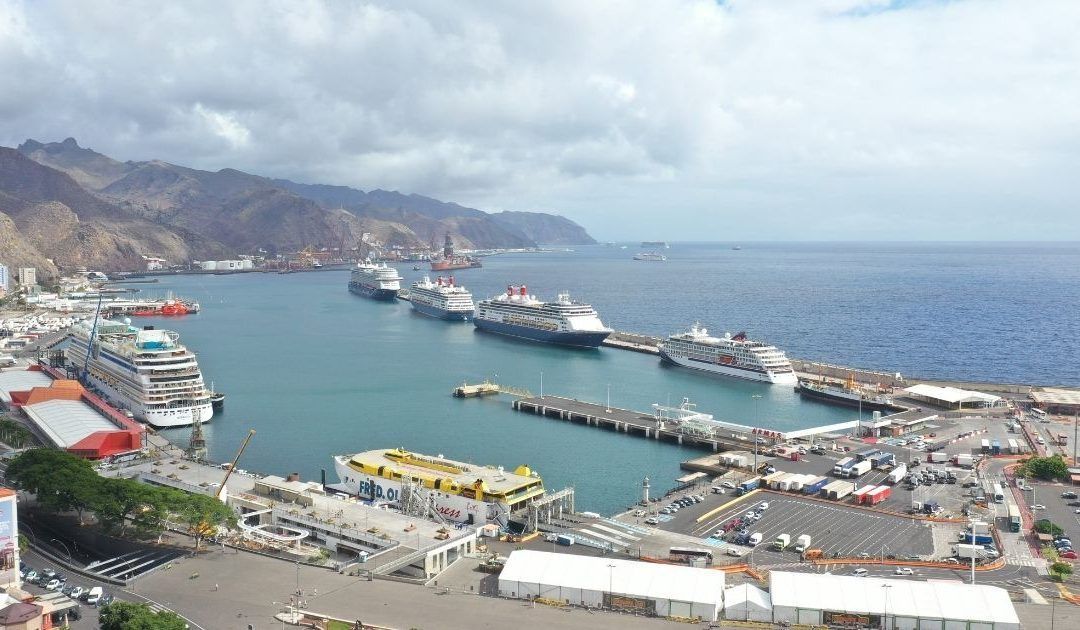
(633, 342)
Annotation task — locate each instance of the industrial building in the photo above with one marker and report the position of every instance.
(810, 598)
(1056, 400)
(65, 415)
(952, 397)
(661, 590)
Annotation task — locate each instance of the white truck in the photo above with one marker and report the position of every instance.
(970, 551)
(781, 543)
(965, 460)
(802, 543)
(860, 468)
(898, 473)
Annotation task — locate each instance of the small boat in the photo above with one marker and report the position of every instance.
(416, 267)
(217, 399)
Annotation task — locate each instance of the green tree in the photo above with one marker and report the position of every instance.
(1053, 467)
(203, 515)
(1044, 526)
(14, 434)
(60, 481)
(1064, 568)
(128, 616)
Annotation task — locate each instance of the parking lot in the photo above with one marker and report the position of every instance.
(1057, 509)
(834, 528)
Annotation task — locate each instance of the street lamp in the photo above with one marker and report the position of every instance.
(610, 588)
(66, 550)
(757, 419)
(885, 617)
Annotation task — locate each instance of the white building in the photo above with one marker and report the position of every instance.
(953, 398)
(27, 276)
(810, 598)
(226, 265)
(662, 590)
(747, 602)
(154, 263)
(5, 280)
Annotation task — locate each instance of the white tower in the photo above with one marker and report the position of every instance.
(645, 491)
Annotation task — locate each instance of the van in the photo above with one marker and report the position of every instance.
(754, 539)
(93, 596)
(732, 551)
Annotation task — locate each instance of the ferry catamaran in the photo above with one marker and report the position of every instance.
(728, 355)
(146, 371)
(442, 299)
(518, 314)
(459, 492)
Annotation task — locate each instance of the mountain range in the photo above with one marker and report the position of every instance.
(62, 205)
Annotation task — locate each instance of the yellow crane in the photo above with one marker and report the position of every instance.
(232, 467)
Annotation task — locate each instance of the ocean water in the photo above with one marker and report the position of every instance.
(318, 371)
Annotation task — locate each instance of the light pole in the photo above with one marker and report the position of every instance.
(757, 419)
(885, 617)
(610, 587)
(68, 551)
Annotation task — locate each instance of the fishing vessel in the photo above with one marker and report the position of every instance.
(848, 394)
(650, 256)
(147, 371)
(375, 281)
(456, 491)
(449, 261)
(730, 355)
(564, 322)
(442, 299)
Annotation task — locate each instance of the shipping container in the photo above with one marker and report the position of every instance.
(840, 468)
(881, 460)
(838, 490)
(815, 486)
(859, 469)
(877, 495)
(861, 493)
(995, 448)
(970, 551)
(563, 539)
(965, 460)
(896, 474)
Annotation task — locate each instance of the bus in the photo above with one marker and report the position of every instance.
(1039, 414)
(1014, 518)
(686, 555)
(999, 493)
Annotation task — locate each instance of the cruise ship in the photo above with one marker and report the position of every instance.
(728, 355)
(377, 282)
(146, 371)
(442, 299)
(459, 492)
(518, 314)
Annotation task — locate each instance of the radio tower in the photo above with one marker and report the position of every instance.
(196, 449)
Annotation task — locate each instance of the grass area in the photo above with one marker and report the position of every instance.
(338, 625)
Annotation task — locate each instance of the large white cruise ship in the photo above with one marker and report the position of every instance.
(377, 282)
(459, 492)
(442, 299)
(729, 355)
(518, 314)
(146, 371)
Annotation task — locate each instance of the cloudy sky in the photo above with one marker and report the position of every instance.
(738, 119)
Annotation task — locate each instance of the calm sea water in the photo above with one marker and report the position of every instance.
(318, 371)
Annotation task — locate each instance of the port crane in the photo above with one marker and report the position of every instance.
(232, 466)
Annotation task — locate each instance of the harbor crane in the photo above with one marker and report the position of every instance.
(232, 466)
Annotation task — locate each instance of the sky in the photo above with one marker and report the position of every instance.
(675, 120)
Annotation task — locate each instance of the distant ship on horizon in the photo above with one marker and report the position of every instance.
(654, 244)
(450, 261)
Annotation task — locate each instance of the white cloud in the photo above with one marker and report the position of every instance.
(877, 118)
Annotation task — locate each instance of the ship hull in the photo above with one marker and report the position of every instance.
(366, 290)
(573, 339)
(158, 418)
(441, 313)
(844, 401)
(775, 378)
(446, 266)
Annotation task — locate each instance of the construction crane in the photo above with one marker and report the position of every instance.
(232, 467)
(84, 378)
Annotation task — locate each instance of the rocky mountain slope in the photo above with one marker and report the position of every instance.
(80, 207)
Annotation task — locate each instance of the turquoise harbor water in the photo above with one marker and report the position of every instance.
(318, 371)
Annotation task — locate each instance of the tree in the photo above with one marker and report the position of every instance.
(60, 481)
(1044, 526)
(203, 515)
(1053, 467)
(1064, 568)
(128, 616)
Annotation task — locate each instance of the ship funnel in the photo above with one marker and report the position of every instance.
(523, 290)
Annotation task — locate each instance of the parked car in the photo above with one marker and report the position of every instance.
(764, 505)
(1068, 555)
(860, 572)
(1038, 506)
(53, 585)
(729, 485)
(732, 551)
(76, 592)
(1068, 494)
(904, 571)
(652, 520)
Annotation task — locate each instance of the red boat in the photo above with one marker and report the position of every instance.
(449, 261)
(169, 307)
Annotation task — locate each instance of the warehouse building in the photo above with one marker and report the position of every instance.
(1056, 400)
(20, 379)
(843, 600)
(660, 590)
(953, 398)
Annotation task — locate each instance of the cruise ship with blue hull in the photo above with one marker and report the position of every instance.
(377, 282)
(442, 299)
(562, 322)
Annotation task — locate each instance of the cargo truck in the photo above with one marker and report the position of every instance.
(966, 460)
(866, 453)
(859, 495)
(564, 540)
(970, 551)
(986, 446)
(815, 486)
(1014, 447)
(898, 473)
(882, 460)
(980, 539)
(859, 469)
(937, 457)
(877, 495)
(781, 543)
(840, 468)
(802, 543)
(995, 448)
(747, 486)
(1062, 439)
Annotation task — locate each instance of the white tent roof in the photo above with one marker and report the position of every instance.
(21, 381)
(951, 394)
(623, 577)
(905, 598)
(748, 595)
(67, 422)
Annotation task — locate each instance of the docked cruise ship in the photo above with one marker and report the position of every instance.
(442, 299)
(518, 314)
(459, 492)
(729, 355)
(146, 371)
(377, 282)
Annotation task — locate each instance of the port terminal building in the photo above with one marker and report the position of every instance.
(661, 590)
(952, 397)
(1057, 400)
(64, 414)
